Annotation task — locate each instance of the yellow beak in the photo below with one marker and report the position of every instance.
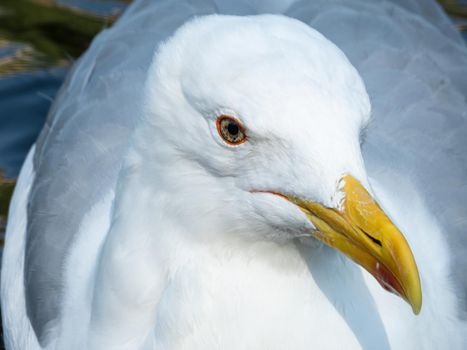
(362, 231)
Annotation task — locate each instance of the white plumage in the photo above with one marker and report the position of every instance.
(135, 226)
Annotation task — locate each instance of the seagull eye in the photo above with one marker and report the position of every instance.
(231, 130)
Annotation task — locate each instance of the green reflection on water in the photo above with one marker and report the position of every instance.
(6, 191)
(40, 33)
(455, 8)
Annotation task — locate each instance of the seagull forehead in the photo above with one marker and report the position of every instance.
(267, 64)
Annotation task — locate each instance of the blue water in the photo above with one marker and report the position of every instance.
(25, 97)
(24, 102)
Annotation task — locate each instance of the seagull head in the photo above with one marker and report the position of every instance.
(252, 127)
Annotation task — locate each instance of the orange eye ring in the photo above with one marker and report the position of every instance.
(230, 130)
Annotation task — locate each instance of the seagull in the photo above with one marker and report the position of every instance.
(248, 175)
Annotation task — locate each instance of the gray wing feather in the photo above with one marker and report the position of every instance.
(413, 62)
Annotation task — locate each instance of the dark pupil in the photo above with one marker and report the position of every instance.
(233, 129)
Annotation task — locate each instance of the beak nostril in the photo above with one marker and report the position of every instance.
(373, 239)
